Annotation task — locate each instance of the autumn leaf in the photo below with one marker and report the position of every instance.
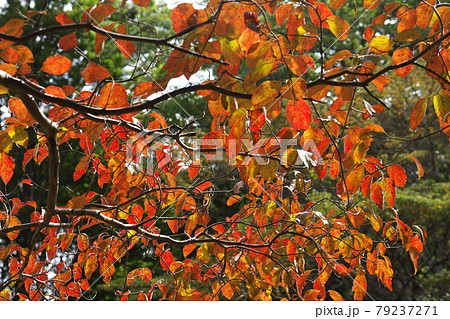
(420, 170)
(126, 47)
(142, 3)
(265, 93)
(298, 114)
(63, 19)
(194, 169)
(398, 175)
(6, 167)
(180, 16)
(401, 55)
(97, 13)
(91, 265)
(418, 113)
(338, 26)
(441, 105)
(69, 41)
(238, 123)
(94, 72)
(166, 260)
(20, 111)
(359, 287)
(56, 65)
(113, 95)
(381, 44)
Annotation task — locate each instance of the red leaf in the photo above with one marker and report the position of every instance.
(6, 167)
(64, 19)
(398, 174)
(166, 260)
(94, 73)
(298, 114)
(376, 194)
(56, 65)
(194, 169)
(68, 41)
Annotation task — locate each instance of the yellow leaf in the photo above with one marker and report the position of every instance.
(338, 26)
(237, 123)
(266, 92)
(381, 44)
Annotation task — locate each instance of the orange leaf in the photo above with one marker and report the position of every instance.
(97, 13)
(9, 55)
(173, 225)
(371, 4)
(319, 12)
(68, 41)
(6, 167)
(180, 16)
(359, 287)
(401, 55)
(414, 251)
(296, 64)
(266, 92)
(353, 179)
(126, 47)
(91, 265)
(56, 65)
(228, 291)
(145, 89)
(11, 221)
(298, 114)
(237, 123)
(335, 295)
(94, 72)
(420, 171)
(82, 242)
(144, 274)
(187, 249)
(20, 111)
(389, 191)
(284, 12)
(233, 199)
(113, 95)
(418, 113)
(376, 194)
(398, 175)
(142, 3)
